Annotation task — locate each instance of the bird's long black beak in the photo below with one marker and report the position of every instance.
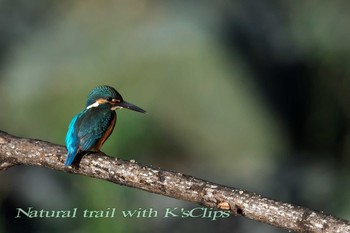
(130, 106)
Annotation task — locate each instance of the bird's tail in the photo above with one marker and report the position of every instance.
(69, 158)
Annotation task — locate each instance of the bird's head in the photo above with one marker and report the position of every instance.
(106, 95)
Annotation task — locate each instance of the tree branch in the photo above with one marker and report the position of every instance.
(25, 151)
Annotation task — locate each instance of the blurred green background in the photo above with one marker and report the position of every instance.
(249, 94)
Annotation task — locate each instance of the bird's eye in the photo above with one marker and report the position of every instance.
(109, 99)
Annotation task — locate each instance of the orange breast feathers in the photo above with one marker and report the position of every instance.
(106, 135)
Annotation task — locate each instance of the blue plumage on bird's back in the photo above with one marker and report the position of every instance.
(72, 140)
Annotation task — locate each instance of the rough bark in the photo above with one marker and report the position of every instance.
(25, 151)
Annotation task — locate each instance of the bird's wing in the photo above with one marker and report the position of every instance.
(93, 126)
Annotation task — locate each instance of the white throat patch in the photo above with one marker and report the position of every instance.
(94, 105)
(115, 108)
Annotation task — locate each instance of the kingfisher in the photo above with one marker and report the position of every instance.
(90, 128)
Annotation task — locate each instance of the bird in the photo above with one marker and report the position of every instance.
(91, 127)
